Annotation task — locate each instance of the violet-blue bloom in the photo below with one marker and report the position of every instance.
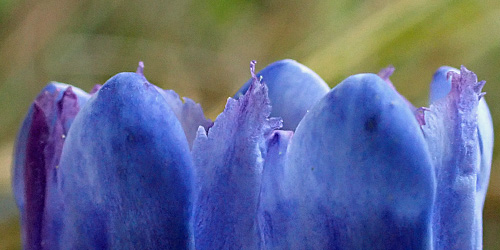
(37, 152)
(359, 167)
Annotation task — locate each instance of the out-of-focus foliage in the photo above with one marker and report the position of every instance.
(202, 50)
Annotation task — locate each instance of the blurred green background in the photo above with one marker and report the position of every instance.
(202, 49)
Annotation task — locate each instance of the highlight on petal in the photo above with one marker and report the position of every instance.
(359, 172)
(453, 136)
(126, 171)
(36, 159)
(229, 162)
(485, 136)
(293, 90)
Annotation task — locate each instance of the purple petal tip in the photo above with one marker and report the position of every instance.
(252, 70)
(140, 68)
(479, 86)
(420, 115)
(95, 89)
(385, 73)
(465, 84)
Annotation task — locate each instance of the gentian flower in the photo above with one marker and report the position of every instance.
(131, 166)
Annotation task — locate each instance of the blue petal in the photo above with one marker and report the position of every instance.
(293, 90)
(36, 157)
(273, 209)
(452, 133)
(126, 172)
(229, 162)
(359, 172)
(189, 113)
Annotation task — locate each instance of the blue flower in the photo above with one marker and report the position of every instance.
(132, 166)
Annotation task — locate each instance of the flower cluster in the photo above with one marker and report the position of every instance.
(132, 166)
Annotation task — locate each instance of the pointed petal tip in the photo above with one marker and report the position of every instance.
(94, 89)
(140, 68)
(255, 78)
(252, 68)
(69, 92)
(464, 69)
(479, 86)
(420, 115)
(386, 72)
